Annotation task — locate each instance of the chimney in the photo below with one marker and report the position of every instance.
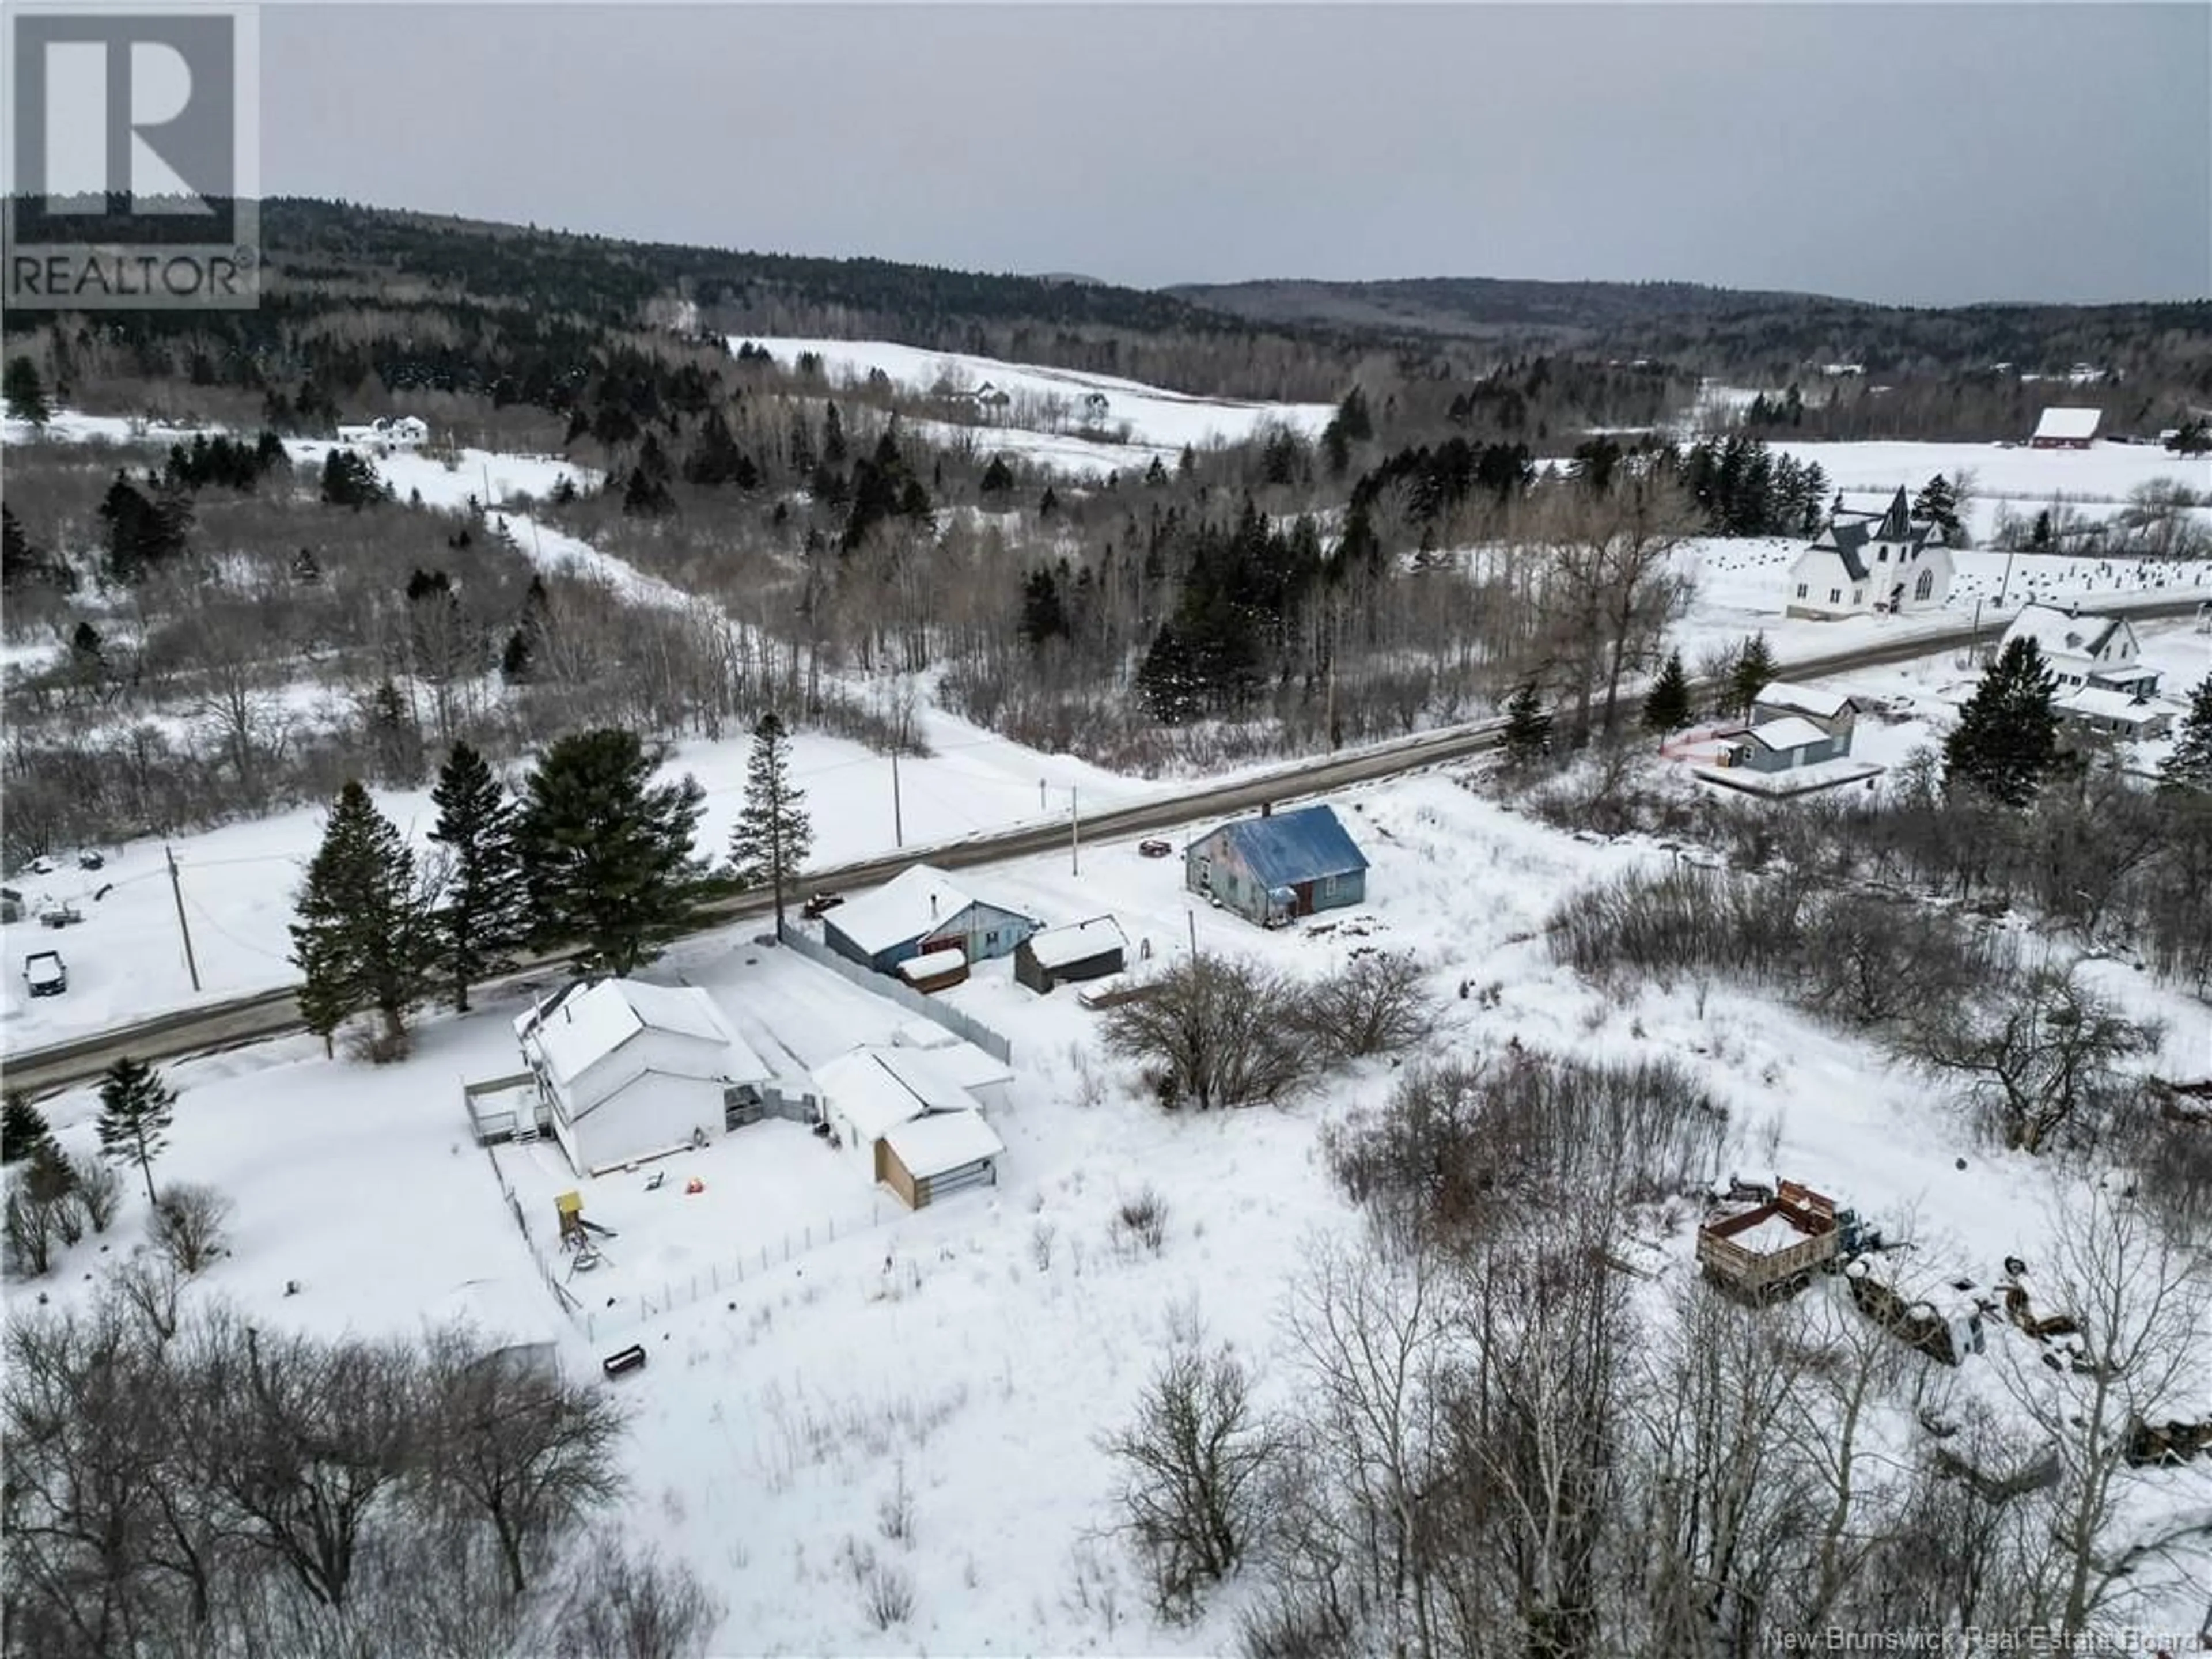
(1266, 809)
(933, 907)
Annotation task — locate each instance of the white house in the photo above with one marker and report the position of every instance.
(871, 1091)
(633, 1071)
(2117, 714)
(399, 432)
(1865, 563)
(2085, 651)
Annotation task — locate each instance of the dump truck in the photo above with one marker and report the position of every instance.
(1773, 1249)
(46, 973)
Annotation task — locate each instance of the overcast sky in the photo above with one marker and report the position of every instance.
(1917, 154)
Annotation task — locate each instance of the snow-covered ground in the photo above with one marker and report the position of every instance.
(974, 1352)
(1742, 586)
(1153, 415)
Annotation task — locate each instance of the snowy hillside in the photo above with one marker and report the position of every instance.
(1053, 399)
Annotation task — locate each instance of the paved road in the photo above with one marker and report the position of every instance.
(212, 1027)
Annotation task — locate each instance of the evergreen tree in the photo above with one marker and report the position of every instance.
(715, 458)
(1527, 728)
(1752, 672)
(24, 393)
(22, 1130)
(23, 566)
(998, 478)
(486, 912)
(141, 535)
(2190, 765)
(2006, 741)
(134, 1108)
(1667, 705)
(365, 938)
(774, 836)
(605, 851)
(350, 480)
(515, 661)
(1938, 503)
(647, 495)
(1047, 503)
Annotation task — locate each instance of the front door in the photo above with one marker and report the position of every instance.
(1303, 891)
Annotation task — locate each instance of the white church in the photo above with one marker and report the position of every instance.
(1871, 563)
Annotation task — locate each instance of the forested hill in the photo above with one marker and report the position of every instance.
(1729, 331)
(453, 305)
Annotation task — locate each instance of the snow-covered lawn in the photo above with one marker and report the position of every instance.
(1153, 415)
(974, 1352)
(2105, 472)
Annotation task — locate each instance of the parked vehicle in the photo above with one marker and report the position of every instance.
(1155, 849)
(820, 904)
(42, 865)
(46, 973)
(89, 859)
(60, 915)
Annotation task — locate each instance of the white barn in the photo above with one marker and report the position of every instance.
(631, 1071)
(1870, 563)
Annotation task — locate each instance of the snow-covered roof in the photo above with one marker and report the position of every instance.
(932, 963)
(874, 1087)
(1816, 701)
(2105, 704)
(950, 1141)
(923, 1034)
(962, 1065)
(2063, 421)
(583, 1025)
(506, 1311)
(1077, 941)
(1788, 733)
(904, 907)
(2058, 634)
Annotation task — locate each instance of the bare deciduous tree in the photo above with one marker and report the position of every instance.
(1194, 1463)
(1218, 1031)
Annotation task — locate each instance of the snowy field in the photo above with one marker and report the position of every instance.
(1153, 415)
(973, 1352)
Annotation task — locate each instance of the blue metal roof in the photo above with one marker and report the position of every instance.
(1289, 847)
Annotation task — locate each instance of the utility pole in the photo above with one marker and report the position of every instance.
(1191, 916)
(1074, 837)
(899, 821)
(177, 892)
(1040, 799)
(1332, 676)
(2004, 586)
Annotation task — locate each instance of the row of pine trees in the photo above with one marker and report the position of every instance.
(595, 858)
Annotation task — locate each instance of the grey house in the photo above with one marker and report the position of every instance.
(1279, 865)
(921, 910)
(1784, 745)
(1078, 950)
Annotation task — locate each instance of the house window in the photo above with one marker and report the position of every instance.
(1800, 590)
(1835, 596)
(1926, 586)
(990, 941)
(1859, 595)
(1881, 556)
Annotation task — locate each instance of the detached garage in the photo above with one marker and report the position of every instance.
(928, 1157)
(1082, 950)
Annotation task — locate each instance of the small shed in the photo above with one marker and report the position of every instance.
(1078, 950)
(871, 1091)
(1782, 745)
(11, 905)
(2064, 428)
(925, 1157)
(1278, 867)
(937, 970)
(922, 909)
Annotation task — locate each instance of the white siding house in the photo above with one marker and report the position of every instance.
(1870, 563)
(870, 1091)
(633, 1071)
(2082, 650)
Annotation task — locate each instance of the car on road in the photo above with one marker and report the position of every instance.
(46, 973)
(42, 865)
(1155, 848)
(821, 903)
(89, 859)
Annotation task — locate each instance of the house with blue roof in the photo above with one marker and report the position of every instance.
(1278, 867)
